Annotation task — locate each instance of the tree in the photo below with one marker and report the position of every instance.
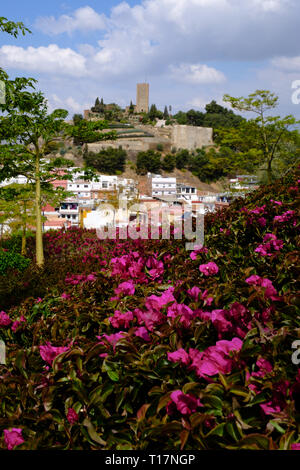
(182, 159)
(148, 161)
(166, 113)
(12, 28)
(88, 131)
(26, 131)
(17, 209)
(169, 163)
(268, 133)
(77, 118)
(107, 161)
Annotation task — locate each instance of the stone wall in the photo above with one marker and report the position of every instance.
(191, 137)
(179, 137)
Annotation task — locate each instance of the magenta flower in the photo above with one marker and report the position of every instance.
(49, 352)
(121, 320)
(186, 404)
(194, 293)
(270, 291)
(17, 323)
(4, 319)
(112, 339)
(215, 359)
(209, 269)
(295, 446)
(269, 408)
(65, 296)
(179, 356)
(126, 288)
(72, 416)
(13, 438)
(142, 332)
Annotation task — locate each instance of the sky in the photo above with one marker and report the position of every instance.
(189, 51)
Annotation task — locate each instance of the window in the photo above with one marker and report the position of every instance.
(86, 185)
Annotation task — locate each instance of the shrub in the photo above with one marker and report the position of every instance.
(12, 260)
(139, 344)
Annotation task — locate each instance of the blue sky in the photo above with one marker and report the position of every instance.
(190, 51)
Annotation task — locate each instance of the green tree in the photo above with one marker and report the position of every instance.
(88, 131)
(26, 131)
(169, 162)
(77, 118)
(107, 161)
(148, 161)
(182, 159)
(269, 134)
(166, 113)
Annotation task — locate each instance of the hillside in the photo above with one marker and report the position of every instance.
(140, 344)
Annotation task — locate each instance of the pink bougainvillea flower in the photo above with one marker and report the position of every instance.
(265, 367)
(155, 267)
(49, 352)
(121, 320)
(182, 310)
(270, 245)
(17, 323)
(112, 339)
(72, 416)
(142, 332)
(38, 300)
(179, 356)
(269, 408)
(194, 293)
(65, 296)
(4, 319)
(214, 359)
(285, 217)
(186, 404)
(91, 277)
(270, 291)
(126, 288)
(13, 438)
(209, 269)
(295, 446)
(279, 203)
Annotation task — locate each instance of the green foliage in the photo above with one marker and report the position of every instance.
(149, 161)
(169, 162)
(107, 161)
(12, 260)
(88, 131)
(12, 28)
(215, 116)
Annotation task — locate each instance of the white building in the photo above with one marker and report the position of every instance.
(161, 186)
(17, 180)
(69, 210)
(186, 192)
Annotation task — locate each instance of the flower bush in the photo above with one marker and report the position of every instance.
(139, 344)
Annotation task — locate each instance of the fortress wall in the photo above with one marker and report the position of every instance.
(191, 137)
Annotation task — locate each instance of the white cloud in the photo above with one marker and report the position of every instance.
(197, 74)
(289, 64)
(83, 19)
(50, 59)
(68, 103)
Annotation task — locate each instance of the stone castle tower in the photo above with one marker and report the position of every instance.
(142, 98)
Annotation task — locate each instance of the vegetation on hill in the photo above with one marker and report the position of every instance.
(139, 344)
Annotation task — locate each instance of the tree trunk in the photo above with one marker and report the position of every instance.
(23, 248)
(269, 172)
(39, 229)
